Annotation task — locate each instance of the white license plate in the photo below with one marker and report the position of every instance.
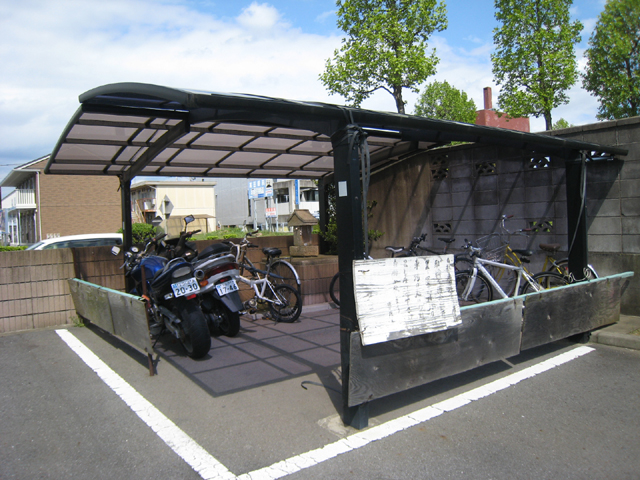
(185, 287)
(227, 287)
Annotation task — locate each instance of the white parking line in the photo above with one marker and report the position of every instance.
(360, 439)
(192, 453)
(210, 468)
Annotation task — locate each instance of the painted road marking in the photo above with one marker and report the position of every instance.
(360, 439)
(197, 457)
(211, 469)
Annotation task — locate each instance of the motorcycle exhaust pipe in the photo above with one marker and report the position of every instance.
(199, 274)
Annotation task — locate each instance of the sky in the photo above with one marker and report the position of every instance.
(53, 51)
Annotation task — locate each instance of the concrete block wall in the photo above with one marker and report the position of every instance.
(462, 191)
(33, 289)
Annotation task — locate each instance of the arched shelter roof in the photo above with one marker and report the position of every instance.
(131, 129)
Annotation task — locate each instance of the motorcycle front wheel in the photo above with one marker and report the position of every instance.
(194, 333)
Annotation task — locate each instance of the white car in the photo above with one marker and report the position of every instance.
(76, 241)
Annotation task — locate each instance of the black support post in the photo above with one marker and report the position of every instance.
(350, 247)
(577, 216)
(127, 233)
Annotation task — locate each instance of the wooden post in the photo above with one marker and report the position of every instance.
(577, 216)
(350, 247)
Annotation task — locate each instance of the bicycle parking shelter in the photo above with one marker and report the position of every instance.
(133, 129)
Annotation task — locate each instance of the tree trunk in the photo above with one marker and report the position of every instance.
(547, 120)
(397, 94)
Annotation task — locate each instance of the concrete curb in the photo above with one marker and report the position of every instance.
(619, 334)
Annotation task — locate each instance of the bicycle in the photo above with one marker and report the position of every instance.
(562, 266)
(519, 257)
(284, 301)
(283, 272)
(477, 285)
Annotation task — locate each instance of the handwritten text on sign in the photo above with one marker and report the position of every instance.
(403, 297)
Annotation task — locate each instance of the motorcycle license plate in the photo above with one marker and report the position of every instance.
(185, 287)
(227, 287)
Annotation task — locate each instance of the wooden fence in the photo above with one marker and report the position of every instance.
(34, 290)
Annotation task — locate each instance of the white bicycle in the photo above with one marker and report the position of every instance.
(477, 284)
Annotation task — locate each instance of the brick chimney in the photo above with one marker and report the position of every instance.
(487, 99)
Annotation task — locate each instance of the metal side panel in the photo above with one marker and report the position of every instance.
(118, 313)
(558, 313)
(489, 332)
(92, 303)
(130, 320)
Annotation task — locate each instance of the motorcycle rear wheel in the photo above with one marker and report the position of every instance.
(194, 333)
(228, 324)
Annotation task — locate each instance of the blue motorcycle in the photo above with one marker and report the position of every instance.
(171, 290)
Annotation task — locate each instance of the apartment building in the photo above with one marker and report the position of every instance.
(47, 206)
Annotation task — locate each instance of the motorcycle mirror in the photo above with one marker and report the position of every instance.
(115, 250)
(188, 219)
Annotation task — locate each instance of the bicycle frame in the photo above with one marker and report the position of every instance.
(253, 283)
(479, 265)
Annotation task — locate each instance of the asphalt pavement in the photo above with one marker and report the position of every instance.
(80, 404)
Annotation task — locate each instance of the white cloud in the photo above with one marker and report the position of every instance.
(259, 17)
(52, 52)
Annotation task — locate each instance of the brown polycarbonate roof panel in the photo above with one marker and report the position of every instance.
(132, 129)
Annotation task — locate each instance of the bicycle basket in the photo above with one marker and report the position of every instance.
(493, 247)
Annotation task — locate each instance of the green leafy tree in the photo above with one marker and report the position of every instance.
(443, 101)
(613, 60)
(534, 61)
(385, 48)
(560, 124)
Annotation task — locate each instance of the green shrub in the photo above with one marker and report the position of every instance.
(11, 249)
(141, 232)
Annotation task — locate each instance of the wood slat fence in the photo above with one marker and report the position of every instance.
(34, 290)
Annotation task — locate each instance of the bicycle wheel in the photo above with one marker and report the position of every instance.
(334, 289)
(480, 293)
(287, 303)
(544, 280)
(284, 269)
(462, 262)
(563, 267)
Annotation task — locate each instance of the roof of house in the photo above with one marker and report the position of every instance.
(132, 129)
(21, 173)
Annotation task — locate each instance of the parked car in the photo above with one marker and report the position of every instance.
(76, 241)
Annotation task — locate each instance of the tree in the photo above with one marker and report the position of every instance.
(443, 101)
(613, 60)
(560, 124)
(535, 59)
(385, 48)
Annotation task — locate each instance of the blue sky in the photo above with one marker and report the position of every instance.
(51, 52)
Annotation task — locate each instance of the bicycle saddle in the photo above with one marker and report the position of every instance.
(271, 252)
(550, 247)
(447, 240)
(394, 249)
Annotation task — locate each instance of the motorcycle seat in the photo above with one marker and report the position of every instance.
(214, 249)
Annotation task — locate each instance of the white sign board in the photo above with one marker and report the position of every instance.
(403, 297)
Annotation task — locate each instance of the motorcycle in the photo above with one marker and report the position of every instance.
(215, 268)
(170, 289)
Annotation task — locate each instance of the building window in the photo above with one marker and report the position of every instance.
(282, 195)
(310, 196)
